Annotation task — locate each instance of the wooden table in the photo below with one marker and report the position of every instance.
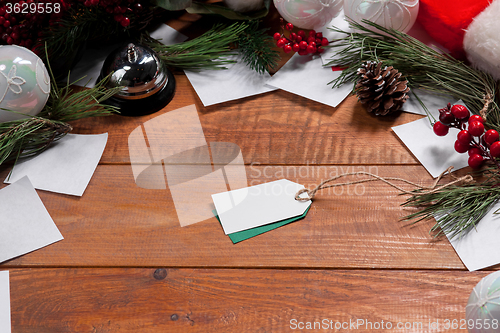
(125, 264)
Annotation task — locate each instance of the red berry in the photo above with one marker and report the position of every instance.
(311, 48)
(318, 41)
(295, 47)
(293, 36)
(464, 137)
(440, 129)
(491, 136)
(303, 52)
(312, 33)
(460, 147)
(475, 117)
(459, 111)
(475, 150)
(319, 49)
(287, 49)
(277, 36)
(495, 149)
(475, 161)
(281, 42)
(6, 23)
(10, 41)
(303, 45)
(476, 128)
(311, 40)
(324, 41)
(319, 35)
(301, 33)
(125, 22)
(298, 39)
(289, 27)
(446, 117)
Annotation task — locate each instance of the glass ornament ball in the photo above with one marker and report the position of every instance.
(397, 14)
(24, 83)
(482, 312)
(308, 14)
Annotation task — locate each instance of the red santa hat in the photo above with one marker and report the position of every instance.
(469, 29)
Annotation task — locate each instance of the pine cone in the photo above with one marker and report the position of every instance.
(382, 90)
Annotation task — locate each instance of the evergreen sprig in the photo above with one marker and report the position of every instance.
(422, 66)
(211, 50)
(456, 209)
(207, 51)
(256, 47)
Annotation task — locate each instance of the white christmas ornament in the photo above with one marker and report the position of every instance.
(308, 14)
(24, 83)
(396, 14)
(482, 312)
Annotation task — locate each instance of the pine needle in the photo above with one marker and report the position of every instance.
(32, 135)
(457, 209)
(211, 50)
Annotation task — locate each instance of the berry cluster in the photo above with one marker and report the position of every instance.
(472, 138)
(20, 21)
(25, 22)
(299, 42)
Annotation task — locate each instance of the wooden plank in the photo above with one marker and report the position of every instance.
(275, 128)
(193, 300)
(116, 223)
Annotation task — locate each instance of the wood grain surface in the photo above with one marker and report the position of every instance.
(126, 265)
(244, 300)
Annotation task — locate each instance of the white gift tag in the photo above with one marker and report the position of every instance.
(258, 205)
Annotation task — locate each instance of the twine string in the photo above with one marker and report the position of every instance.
(488, 98)
(388, 180)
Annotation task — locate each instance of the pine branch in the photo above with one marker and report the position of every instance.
(424, 67)
(256, 48)
(210, 50)
(457, 209)
(207, 51)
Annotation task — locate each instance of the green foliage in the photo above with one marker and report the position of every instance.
(457, 209)
(210, 50)
(256, 47)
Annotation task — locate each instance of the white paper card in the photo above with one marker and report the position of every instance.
(305, 76)
(65, 167)
(340, 23)
(235, 82)
(258, 205)
(5, 325)
(480, 248)
(89, 67)
(435, 153)
(26, 225)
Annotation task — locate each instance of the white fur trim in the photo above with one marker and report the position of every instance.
(482, 40)
(244, 5)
